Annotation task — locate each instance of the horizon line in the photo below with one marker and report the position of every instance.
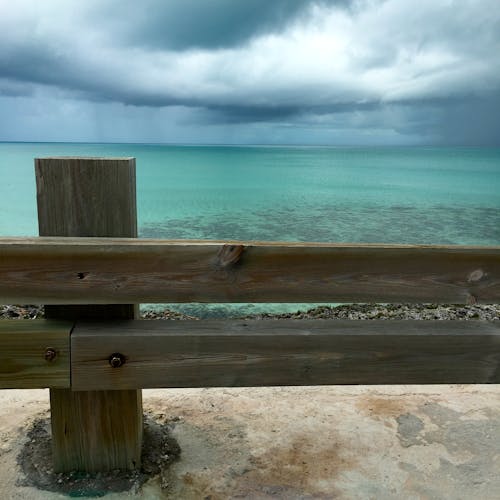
(277, 145)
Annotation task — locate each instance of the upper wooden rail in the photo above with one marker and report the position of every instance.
(114, 271)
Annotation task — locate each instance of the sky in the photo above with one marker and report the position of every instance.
(334, 72)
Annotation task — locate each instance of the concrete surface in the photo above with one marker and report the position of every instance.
(379, 442)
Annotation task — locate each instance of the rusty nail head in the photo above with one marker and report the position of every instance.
(116, 360)
(50, 354)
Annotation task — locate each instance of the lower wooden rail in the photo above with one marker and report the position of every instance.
(142, 354)
(34, 354)
(118, 355)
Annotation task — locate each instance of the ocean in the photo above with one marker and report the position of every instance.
(419, 195)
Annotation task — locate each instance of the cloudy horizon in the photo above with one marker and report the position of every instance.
(333, 72)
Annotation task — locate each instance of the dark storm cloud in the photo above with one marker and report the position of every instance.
(428, 70)
(474, 121)
(32, 62)
(254, 114)
(208, 24)
(150, 25)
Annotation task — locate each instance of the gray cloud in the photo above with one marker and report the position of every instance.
(430, 71)
(195, 24)
(473, 121)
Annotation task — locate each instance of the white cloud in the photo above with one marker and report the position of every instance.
(388, 50)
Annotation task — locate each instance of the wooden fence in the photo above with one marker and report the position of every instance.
(96, 358)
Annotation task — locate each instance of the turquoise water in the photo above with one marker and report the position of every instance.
(385, 195)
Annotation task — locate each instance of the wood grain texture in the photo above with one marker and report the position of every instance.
(108, 419)
(84, 187)
(23, 345)
(213, 353)
(97, 430)
(132, 271)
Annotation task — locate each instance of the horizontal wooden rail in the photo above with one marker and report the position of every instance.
(118, 355)
(290, 352)
(113, 271)
(34, 354)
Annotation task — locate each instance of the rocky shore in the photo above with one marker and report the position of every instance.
(488, 312)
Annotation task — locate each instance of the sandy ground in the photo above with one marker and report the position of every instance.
(379, 442)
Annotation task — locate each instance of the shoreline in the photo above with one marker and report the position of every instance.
(484, 312)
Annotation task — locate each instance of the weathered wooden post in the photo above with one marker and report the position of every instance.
(91, 430)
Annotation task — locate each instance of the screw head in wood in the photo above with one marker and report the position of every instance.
(116, 360)
(50, 354)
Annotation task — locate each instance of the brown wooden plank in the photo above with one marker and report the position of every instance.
(34, 354)
(216, 353)
(122, 271)
(84, 187)
(108, 424)
(98, 430)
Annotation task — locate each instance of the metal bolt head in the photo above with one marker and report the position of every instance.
(50, 354)
(116, 360)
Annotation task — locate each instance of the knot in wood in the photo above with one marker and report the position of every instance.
(50, 354)
(116, 360)
(229, 255)
(476, 275)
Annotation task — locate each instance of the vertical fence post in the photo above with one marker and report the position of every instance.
(92, 431)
